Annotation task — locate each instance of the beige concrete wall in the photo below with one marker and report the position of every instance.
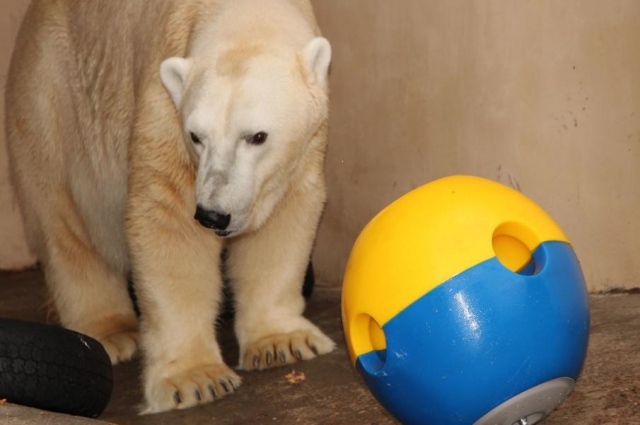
(14, 253)
(543, 96)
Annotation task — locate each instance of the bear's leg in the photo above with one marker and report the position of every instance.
(267, 270)
(89, 296)
(179, 287)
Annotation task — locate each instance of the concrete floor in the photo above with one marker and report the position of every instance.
(607, 393)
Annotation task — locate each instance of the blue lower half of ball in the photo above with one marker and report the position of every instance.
(481, 338)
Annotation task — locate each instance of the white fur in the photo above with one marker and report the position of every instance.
(173, 72)
(317, 58)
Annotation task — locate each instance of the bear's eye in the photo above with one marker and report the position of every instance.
(259, 138)
(195, 139)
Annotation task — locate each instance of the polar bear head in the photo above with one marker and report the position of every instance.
(249, 113)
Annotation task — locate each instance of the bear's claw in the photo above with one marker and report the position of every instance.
(286, 348)
(198, 385)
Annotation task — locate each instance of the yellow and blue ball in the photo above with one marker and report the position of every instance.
(464, 302)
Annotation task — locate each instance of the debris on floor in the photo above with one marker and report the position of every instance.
(295, 378)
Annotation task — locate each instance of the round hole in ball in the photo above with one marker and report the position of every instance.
(369, 342)
(513, 244)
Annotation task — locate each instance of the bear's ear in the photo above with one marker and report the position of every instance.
(173, 73)
(317, 58)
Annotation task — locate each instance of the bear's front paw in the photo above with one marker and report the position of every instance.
(281, 349)
(195, 386)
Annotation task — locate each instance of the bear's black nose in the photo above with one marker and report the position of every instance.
(212, 219)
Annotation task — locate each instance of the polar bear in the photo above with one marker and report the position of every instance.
(147, 136)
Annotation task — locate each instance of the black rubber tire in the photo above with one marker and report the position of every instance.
(51, 368)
